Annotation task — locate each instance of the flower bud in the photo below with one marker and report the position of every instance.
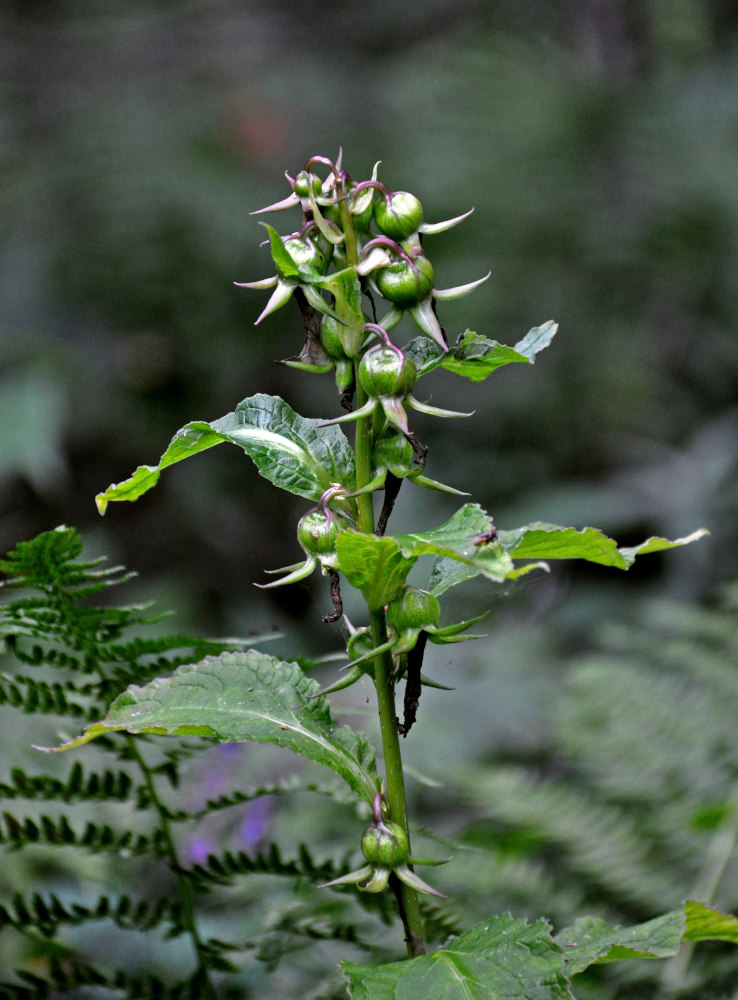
(331, 339)
(360, 643)
(406, 284)
(415, 609)
(307, 181)
(362, 218)
(304, 251)
(399, 215)
(385, 845)
(385, 371)
(317, 532)
(394, 452)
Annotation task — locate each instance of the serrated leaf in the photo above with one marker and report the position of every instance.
(456, 540)
(373, 565)
(501, 959)
(591, 940)
(238, 697)
(291, 451)
(424, 353)
(537, 339)
(550, 541)
(475, 357)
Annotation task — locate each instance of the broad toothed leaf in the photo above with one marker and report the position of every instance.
(475, 357)
(291, 451)
(537, 339)
(504, 958)
(549, 541)
(375, 566)
(240, 697)
(456, 540)
(537, 541)
(591, 940)
(425, 354)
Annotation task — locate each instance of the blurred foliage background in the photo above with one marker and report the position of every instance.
(598, 142)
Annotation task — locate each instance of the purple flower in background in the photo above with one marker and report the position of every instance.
(255, 822)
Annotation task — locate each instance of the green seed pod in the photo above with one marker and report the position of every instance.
(385, 371)
(359, 643)
(361, 219)
(316, 532)
(304, 251)
(406, 285)
(385, 845)
(305, 181)
(399, 216)
(330, 338)
(415, 609)
(393, 451)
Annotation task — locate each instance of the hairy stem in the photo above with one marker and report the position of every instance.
(184, 888)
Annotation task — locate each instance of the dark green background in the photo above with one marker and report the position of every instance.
(598, 142)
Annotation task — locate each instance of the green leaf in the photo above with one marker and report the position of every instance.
(456, 540)
(286, 266)
(476, 357)
(424, 353)
(244, 696)
(550, 541)
(591, 941)
(501, 959)
(291, 451)
(373, 565)
(537, 339)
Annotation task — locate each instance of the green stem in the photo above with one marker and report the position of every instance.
(394, 774)
(395, 780)
(183, 885)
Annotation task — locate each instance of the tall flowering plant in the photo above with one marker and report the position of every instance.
(355, 261)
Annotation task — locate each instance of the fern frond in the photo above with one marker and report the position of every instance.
(598, 841)
(70, 975)
(79, 786)
(58, 832)
(223, 868)
(294, 783)
(440, 921)
(32, 696)
(294, 931)
(46, 915)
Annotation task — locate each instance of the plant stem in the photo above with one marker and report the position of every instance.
(409, 906)
(394, 775)
(183, 886)
(410, 910)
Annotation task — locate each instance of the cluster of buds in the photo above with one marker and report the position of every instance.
(357, 244)
(354, 238)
